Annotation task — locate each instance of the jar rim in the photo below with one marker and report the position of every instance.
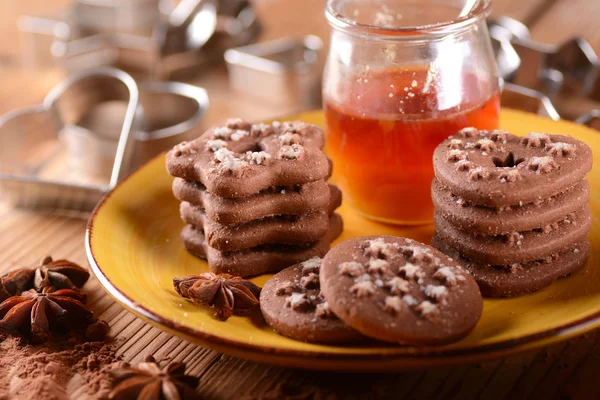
(339, 21)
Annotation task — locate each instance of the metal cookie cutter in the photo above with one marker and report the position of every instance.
(525, 99)
(281, 71)
(502, 31)
(168, 114)
(33, 170)
(591, 119)
(572, 64)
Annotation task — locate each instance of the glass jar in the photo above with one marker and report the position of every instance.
(401, 76)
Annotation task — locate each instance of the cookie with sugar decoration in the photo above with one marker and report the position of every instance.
(399, 290)
(240, 159)
(293, 305)
(521, 278)
(286, 200)
(260, 259)
(496, 168)
(283, 229)
(519, 217)
(516, 247)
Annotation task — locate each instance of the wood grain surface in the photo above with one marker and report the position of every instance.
(567, 370)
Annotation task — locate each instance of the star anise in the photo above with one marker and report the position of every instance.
(15, 282)
(148, 381)
(36, 314)
(228, 294)
(60, 274)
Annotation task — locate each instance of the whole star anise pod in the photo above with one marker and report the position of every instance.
(60, 274)
(16, 281)
(228, 294)
(148, 381)
(36, 314)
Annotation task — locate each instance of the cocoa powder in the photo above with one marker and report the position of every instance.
(60, 369)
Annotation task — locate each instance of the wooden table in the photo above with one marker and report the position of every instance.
(566, 370)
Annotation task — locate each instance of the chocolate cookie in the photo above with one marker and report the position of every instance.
(280, 229)
(517, 218)
(521, 278)
(500, 169)
(289, 200)
(293, 306)
(516, 247)
(241, 159)
(399, 290)
(260, 259)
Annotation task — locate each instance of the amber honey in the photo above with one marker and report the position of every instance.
(383, 129)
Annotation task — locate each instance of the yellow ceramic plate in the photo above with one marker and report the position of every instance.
(134, 250)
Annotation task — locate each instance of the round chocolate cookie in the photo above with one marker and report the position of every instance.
(517, 247)
(293, 306)
(521, 278)
(399, 290)
(498, 169)
(516, 218)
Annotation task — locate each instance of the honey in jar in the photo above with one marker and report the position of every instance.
(393, 92)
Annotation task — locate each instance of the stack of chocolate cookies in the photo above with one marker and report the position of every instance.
(255, 197)
(513, 210)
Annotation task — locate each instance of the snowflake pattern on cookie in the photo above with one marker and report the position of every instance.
(509, 175)
(291, 152)
(485, 145)
(542, 165)
(561, 149)
(304, 293)
(457, 155)
(534, 139)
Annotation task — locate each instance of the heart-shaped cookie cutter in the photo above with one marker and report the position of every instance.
(28, 142)
(168, 113)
